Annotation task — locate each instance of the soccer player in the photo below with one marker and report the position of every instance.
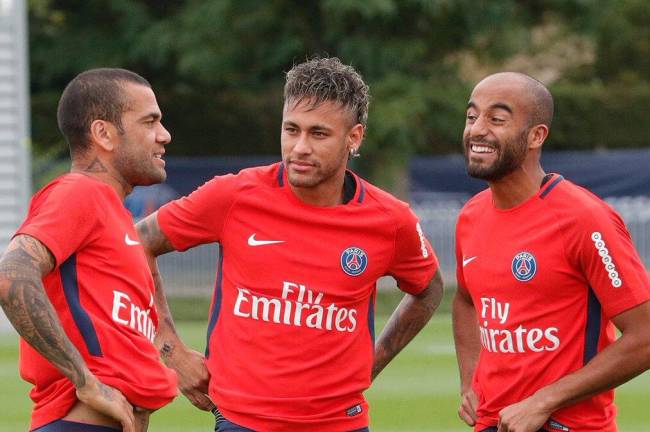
(291, 343)
(74, 280)
(545, 272)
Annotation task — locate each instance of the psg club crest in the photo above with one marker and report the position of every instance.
(524, 266)
(354, 261)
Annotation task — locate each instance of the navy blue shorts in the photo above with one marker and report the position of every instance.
(495, 429)
(224, 425)
(68, 426)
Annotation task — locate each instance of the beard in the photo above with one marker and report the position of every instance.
(138, 169)
(322, 172)
(510, 155)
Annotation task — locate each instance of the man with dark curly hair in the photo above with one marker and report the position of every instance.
(291, 342)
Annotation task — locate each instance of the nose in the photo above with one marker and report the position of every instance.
(478, 128)
(302, 145)
(164, 137)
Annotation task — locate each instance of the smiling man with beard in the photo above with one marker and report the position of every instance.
(74, 280)
(545, 272)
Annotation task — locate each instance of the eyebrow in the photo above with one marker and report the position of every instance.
(501, 105)
(312, 127)
(153, 115)
(498, 105)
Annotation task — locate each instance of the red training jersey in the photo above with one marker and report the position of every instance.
(546, 277)
(291, 330)
(102, 292)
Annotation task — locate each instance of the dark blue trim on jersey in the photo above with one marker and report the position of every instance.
(551, 186)
(68, 426)
(495, 429)
(216, 304)
(81, 318)
(362, 193)
(592, 332)
(281, 175)
(371, 319)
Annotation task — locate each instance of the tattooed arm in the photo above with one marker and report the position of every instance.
(27, 306)
(413, 312)
(190, 366)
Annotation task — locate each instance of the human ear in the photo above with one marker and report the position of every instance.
(355, 138)
(537, 135)
(103, 133)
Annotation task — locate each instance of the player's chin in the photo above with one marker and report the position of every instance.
(154, 176)
(302, 180)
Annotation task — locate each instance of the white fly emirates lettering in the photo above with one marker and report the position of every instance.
(299, 306)
(129, 314)
(519, 340)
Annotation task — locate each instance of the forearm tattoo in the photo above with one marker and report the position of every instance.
(27, 306)
(155, 243)
(409, 318)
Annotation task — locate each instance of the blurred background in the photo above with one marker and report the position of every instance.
(217, 67)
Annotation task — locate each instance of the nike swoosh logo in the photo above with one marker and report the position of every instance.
(468, 260)
(253, 242)
(130, 242)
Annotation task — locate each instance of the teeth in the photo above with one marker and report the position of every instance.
(481, 149)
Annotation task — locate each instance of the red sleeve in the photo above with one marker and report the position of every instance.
(64, 216)
(199, 217)
(415, 262)
(610, 261)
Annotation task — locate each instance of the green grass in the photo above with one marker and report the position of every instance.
(417, 392)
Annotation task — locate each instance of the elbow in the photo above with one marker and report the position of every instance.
(439, 293)
(435, 292)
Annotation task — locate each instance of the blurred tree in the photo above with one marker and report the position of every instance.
(623, 36)
(217, 65)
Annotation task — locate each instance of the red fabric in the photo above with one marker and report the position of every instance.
(534, 331)
(83, 222)
(292, 348)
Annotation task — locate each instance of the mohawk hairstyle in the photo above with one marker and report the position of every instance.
(327, 79)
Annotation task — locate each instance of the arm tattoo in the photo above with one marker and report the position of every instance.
(409, 318)
(27, 306)
(153, 240)
(155, 243)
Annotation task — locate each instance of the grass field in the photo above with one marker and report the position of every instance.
(417, 392)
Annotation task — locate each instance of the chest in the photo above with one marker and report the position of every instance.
(517, 259)
(339, 253)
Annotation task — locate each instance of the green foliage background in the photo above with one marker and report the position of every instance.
(218, 66)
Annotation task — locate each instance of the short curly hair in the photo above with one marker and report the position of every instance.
(327, 79)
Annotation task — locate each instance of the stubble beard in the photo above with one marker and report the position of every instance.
(137, 170)
(510, 156)
(318, 177)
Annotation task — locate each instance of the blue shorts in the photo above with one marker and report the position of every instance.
(68, 426)
(495, 429)
(224, 425)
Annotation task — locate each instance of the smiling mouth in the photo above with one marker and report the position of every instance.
(481, 149)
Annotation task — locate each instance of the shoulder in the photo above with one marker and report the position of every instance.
(69, 188)
(476, 205)
(383, 200)
(572, 202)
(248, 178)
